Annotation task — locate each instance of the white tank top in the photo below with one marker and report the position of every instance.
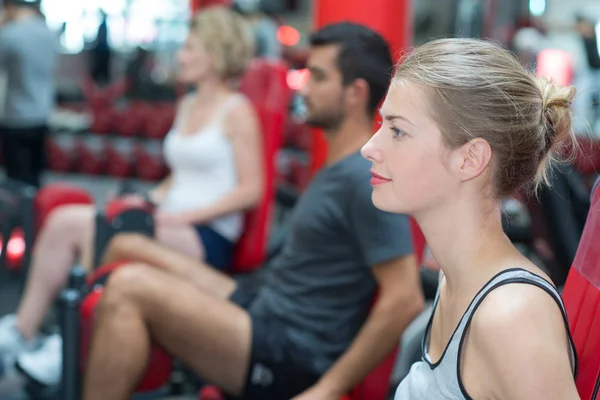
(203, 169)
(441, 380)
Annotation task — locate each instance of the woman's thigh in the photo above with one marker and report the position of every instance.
(183, 238)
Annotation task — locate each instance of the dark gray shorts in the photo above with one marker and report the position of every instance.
(273, 373)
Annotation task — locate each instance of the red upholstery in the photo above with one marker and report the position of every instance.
(99, 273)
(119, 157)
(582, 301)
(264, 84)
(148, 160)
(51, 196)
(103, 121)
(101, 98)
(117, 206)
(92, 154)
(159, 121)
(61, 152)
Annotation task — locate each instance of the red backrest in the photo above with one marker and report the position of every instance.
(582, 301)
(377, 384)
(265, 85)
(54, 195)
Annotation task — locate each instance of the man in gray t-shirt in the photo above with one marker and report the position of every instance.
(308, 324)
(320, 286)
(28, 57)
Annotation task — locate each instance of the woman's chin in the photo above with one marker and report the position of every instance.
(381, 202)
(386, 204)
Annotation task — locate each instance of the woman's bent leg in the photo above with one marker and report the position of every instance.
(68, 233)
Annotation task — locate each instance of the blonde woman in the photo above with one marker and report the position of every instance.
(465, 125)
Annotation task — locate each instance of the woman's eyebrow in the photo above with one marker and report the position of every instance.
(393, 117)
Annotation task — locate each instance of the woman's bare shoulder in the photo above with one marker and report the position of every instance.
(519, 334)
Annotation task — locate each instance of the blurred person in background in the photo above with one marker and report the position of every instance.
(587, 77)
(585, 26)
(137, 73)
(214, 154)
(265, 28)
(527, 44)
(28, 57)
(100, 53)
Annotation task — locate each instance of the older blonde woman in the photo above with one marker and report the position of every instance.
(214, 154)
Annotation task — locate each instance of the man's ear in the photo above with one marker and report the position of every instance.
(357, 93)
(473, 158)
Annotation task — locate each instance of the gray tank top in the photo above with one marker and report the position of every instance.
(441, 380)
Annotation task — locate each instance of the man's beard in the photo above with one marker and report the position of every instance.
(329, 121)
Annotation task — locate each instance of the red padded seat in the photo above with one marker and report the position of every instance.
(582, 301)
(54, 195)
(264, 84)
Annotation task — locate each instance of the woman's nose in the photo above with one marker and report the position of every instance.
(370, 150)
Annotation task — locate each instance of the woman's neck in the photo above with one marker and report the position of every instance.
(210, 89)
(468, 242)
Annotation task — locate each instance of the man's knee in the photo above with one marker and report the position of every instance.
(120, 300)
(124, 284)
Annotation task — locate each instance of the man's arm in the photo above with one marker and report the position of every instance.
(400, 300)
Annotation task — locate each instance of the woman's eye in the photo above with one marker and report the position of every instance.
(398, 133)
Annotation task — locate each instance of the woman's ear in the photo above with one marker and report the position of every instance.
(474, 157)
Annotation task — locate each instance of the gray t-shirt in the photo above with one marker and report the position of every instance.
(320, 285)
(28, 55)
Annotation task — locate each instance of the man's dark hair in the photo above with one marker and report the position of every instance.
(363, 53)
